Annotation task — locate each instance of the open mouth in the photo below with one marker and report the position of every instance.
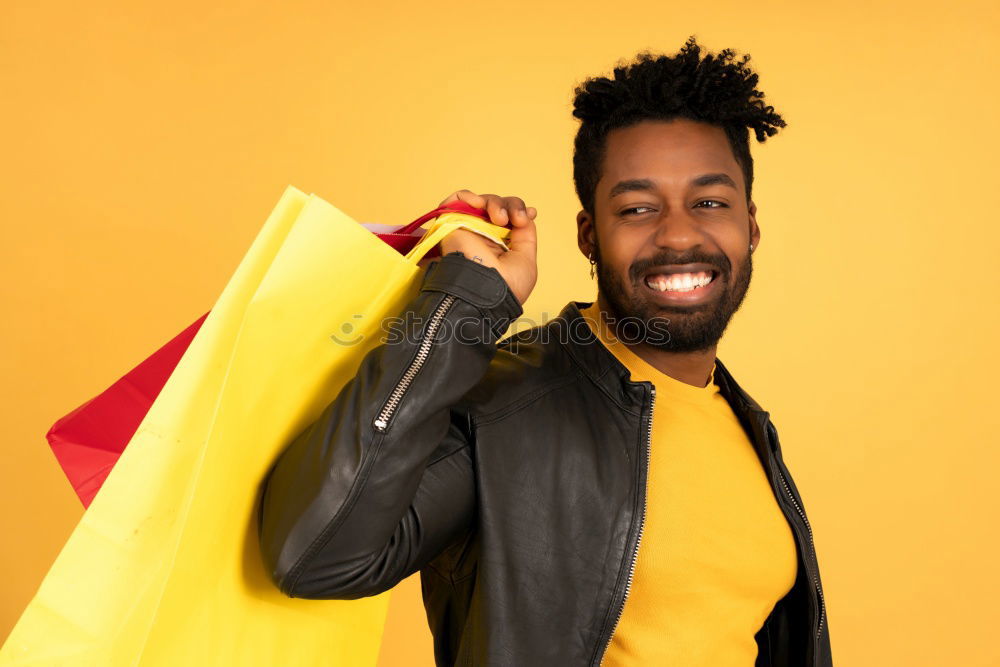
(682, 285)
(679, 282)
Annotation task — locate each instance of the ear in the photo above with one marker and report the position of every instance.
(754, 229)
(585, 233)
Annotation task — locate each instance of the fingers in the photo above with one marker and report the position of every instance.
(523, 240)
(467, 196)
(493, 204)
(501, 210)
(498, 212)
(517, 211)
(514, 210)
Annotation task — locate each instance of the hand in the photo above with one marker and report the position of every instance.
(518, 266)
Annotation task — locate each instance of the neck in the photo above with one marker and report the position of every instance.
(694, 368)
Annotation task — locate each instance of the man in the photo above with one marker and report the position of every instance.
(597, 490)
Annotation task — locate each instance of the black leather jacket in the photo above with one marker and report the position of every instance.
(512, 476)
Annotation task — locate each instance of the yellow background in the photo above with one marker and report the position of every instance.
(143, 146)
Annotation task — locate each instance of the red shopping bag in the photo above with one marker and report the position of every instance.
(88, 441)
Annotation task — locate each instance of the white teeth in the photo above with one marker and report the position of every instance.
(678, 282)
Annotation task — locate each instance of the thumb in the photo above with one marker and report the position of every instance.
(523, 240)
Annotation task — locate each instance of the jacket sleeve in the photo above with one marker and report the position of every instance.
(382, 482)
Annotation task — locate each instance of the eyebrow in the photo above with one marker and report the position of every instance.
(643, 184)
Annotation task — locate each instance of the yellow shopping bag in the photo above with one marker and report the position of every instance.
(164, 567)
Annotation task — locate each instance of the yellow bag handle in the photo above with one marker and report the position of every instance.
(448, 222)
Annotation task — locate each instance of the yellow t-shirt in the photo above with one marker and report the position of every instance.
(716, 552)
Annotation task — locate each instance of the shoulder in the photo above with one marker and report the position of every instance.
(527, 364)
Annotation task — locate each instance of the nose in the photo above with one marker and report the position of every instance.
(677, 229)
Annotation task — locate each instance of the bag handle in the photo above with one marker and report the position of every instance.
(473, 219)
(458, 206)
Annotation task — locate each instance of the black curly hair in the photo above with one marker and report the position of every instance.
(715, 89)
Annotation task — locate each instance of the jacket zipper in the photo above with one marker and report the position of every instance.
(642, 524)
(382, 421)
(812, 550)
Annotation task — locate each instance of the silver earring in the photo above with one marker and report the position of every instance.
(592, 264)
(751, 247)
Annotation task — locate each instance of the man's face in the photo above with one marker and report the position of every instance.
(670, 213)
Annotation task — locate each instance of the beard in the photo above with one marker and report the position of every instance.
(636, 318)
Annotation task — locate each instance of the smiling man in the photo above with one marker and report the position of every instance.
(598, 490)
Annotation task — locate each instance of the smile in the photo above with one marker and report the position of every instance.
(680, 285)
(679, 282)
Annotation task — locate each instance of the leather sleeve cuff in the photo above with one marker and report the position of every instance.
(482, 286)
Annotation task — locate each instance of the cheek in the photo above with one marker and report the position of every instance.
(736, 261)
(621, 251)
(735, 241)
(619, 264)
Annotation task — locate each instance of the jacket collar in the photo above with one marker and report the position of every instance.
(604, 369)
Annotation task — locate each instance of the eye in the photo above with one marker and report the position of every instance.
(712, 201)
(635, 210)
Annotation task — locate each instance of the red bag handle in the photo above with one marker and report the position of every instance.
(454, 207)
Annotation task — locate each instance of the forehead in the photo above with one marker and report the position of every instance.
(666, 152)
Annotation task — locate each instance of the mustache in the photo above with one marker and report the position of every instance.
(720, 263)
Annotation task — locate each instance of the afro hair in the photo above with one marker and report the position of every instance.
(714, 88)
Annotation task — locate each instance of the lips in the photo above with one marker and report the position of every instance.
(681, 283)
(677, 273)
(678, 282)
